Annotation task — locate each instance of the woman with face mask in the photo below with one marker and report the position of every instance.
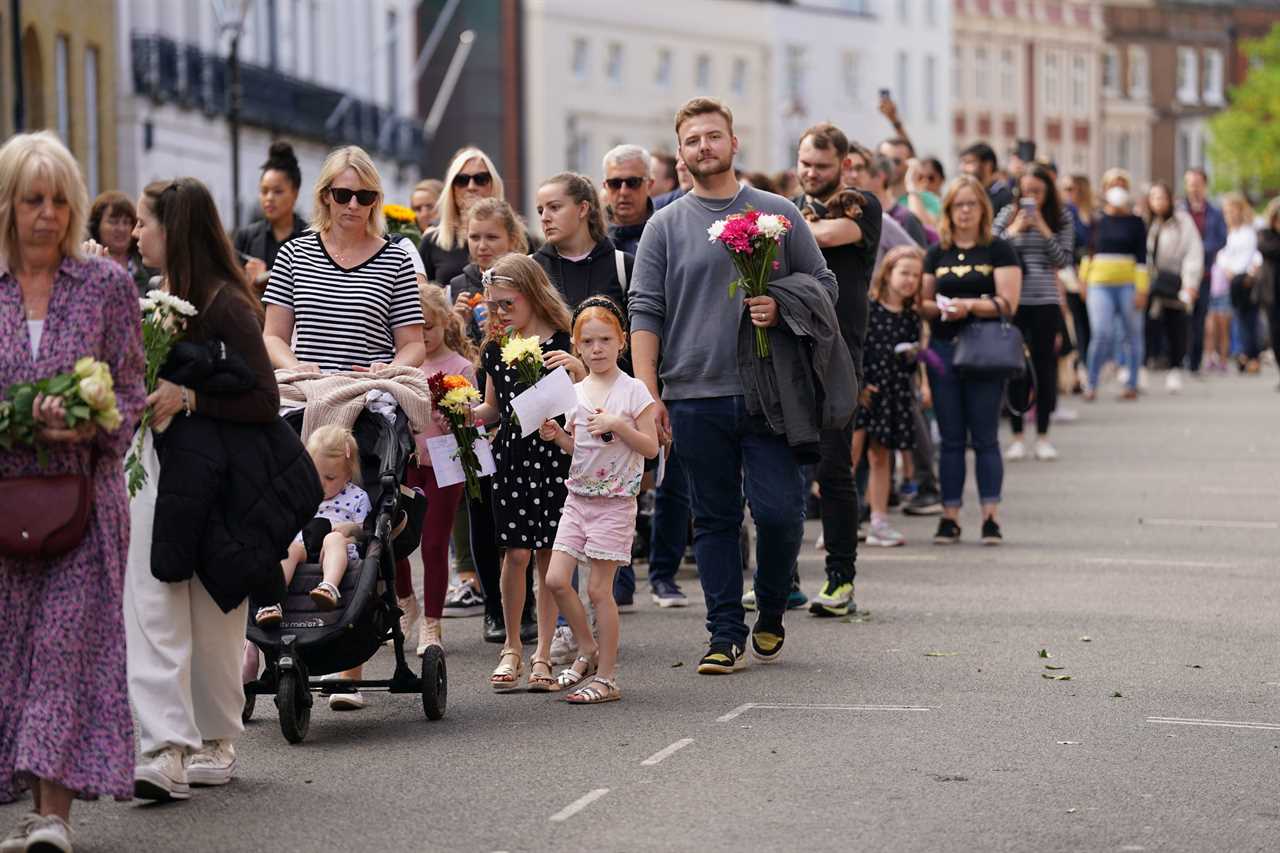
(1115, 274)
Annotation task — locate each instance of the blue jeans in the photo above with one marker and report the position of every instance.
(670, 524)
(721, 445)
(968, 412)
(1106, 305)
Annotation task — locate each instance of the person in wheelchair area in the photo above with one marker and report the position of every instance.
(339, 523)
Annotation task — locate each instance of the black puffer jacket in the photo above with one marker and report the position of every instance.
(231, 497)
(594, 275)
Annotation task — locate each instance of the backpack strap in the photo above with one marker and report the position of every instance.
(620, 261)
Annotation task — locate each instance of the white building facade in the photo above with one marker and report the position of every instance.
(317, 73)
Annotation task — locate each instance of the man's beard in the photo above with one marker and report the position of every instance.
(828, 189)
(711, 171)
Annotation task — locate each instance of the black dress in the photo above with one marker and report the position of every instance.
(890, 418)
(528, 488)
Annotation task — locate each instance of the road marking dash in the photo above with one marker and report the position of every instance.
(805, 706)
(578, 805)
(1144, 561)
(1210, 522)
(658, 756)
(1223, 724)
(736, 712)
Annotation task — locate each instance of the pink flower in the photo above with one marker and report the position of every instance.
(777, 265)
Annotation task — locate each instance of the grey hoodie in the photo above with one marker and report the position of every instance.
(680, 289)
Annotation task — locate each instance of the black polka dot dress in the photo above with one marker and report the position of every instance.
(890, 417)
(528, 488)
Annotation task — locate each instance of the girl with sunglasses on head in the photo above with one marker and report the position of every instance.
(529, 485)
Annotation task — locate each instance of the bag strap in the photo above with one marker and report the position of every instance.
(1000, 315)
(620, 261)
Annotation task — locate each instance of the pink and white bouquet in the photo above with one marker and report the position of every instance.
(752, 239)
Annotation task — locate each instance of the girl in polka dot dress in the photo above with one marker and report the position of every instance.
(529, 485)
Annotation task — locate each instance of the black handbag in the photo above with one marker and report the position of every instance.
(991, 348)
(1167, 285)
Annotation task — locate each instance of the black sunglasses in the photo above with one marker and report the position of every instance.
(480, 179)
(631, 183)
(343, 196)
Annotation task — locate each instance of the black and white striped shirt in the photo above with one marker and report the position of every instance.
(342, 318)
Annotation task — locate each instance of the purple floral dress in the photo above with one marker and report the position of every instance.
(64, 702)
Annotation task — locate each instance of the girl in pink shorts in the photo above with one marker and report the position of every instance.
(611, 431)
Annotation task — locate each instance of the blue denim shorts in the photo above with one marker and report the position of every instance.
(1220, 304)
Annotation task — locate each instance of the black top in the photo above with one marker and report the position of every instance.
(594, 275)
(258, 240)
(853, 264)
(442, 266)
(966, 274)
(1120, 235)
(1000, 194)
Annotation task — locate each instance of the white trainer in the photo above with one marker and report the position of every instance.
(16, 840)
(1016, 452)
(162, 775)
(431, 633)
(884, 536)
(49, 834)
(409, 620)
(1173, 381)
(213, 764)
(1045, 451)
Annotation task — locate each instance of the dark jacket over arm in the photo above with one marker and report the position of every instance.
(232, 321)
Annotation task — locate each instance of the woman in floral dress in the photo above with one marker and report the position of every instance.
(65, 726)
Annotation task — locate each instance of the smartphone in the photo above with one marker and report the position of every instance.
(884, 94)
(1027, 204)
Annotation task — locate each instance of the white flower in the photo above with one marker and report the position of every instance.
(771, 226)
(173, 303)
(147, 304)
(716, 229)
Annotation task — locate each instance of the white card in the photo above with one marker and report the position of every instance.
(662, 467)
(551, 396)
(445, 461)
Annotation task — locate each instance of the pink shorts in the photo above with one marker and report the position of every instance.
(597, 528)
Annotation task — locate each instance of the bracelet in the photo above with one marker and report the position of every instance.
(186, 402)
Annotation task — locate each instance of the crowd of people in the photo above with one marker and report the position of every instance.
(888, 274)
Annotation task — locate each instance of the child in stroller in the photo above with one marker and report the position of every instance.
(331, 536)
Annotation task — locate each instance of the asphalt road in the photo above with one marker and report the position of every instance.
(1141, 562)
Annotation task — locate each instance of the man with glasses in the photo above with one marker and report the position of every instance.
(627, 183)
(680, 308)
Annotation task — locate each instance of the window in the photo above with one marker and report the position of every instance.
(738, 82)
(1139, 80)
(931, 13)
(903, 83)
(1188, 75)
(904, 11)
(981, 73)
(957, 73)
(1213, 77)
(1111, 71)
(1052, 80)
(92, 152)
(576, 145)
(295, 36)
(273, 34)
(1079, 82)
(1122, 151)
(613, 63)
(702, 72)
(580, 58)
(393, 59)
(931, 88)
(795, 75)
(662, 76)
(1008, 76)
(851, 74)
(61, 82)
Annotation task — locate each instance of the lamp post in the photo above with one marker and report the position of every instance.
(231, 15)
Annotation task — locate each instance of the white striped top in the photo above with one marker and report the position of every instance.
(342, 318)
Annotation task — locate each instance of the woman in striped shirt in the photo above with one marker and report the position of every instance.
(1042, 231)
(343, 296)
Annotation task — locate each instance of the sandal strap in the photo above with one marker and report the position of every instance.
(329, 588)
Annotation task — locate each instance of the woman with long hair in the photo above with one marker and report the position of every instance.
(969, 275)
(470, 177)
(1175, 255)
(278, 188)
(1240, 263)
(424, 201)
(1269, 272)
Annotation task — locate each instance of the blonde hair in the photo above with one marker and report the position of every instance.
(1236, 210)
(23, 159)
(491, 208)
(349, 157)
(436, 308)
(958, 183)
(522, 274)
(430, 185)
(1115, 176)
(335, 442)
(449, 231)
(892, 258)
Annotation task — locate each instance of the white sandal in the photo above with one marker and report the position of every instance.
(326, 596)
(590, 695)
(569, 676)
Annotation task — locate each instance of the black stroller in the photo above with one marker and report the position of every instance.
(310, 642)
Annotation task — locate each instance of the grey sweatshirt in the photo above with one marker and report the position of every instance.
(680, 289)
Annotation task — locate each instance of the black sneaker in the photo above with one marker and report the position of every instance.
(721, 659)
(948, 533)
(494, 629)
(767, 638)
(924, 503)
(991, 532)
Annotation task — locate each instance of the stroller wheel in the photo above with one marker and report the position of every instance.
(293, 701)
(250, 700)
(435, 683)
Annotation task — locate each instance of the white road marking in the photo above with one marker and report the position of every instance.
(658, 756)
(578, 805)
(1124, 561)
(1223, 724)
(803, 706)
(1211, 522)
(1232, 490)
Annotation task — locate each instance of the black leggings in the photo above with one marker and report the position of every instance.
(1170, 327)
(1079, 319)
(1041, 325)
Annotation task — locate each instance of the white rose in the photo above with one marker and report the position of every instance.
(96, 393)
(716, 229)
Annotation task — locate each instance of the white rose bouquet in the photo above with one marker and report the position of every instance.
(87, 392)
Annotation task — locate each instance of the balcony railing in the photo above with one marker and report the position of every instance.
(168, 72)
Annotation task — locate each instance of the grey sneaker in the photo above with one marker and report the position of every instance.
(214, 764)
(884, 536)
(49, 834)
(16, 840)
(162, 775)
(564, 646)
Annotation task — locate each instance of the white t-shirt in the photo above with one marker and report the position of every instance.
(607, 469)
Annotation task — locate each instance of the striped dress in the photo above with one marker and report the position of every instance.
(343, 318)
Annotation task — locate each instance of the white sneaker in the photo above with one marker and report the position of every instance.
(884, 536)
(430, 633)
(1122, 376)
(48, 834)
(1063, 415)
(346, 701)
(749, 600)
(821, 544)
(1016, 452)
(1045, 451)
(409, 620)
(213, 764)
(1173, 381)
(564, 646)
(162, 776)
(16, 840)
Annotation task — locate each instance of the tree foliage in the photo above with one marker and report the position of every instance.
(1245, 137)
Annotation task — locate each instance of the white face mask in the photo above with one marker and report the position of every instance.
(1117, 197)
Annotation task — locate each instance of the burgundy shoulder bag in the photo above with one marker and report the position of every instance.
(45, 516)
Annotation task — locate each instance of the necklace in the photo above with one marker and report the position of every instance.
(722, 207)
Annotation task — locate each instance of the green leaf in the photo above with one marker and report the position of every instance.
(80, 411)
(1055, 677)
(940, 654)
(1051, 666)
(62, 384)
(1044, 653)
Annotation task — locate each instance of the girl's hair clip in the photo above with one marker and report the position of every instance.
(487, 277)
(600, 302)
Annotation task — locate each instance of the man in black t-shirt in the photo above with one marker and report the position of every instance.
(848, 243)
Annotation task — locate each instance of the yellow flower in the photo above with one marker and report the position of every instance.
(110, 419)
(96, 393)
(459, 400)
(518, 348)
(85, 367)
(103, 373)
(398, 213)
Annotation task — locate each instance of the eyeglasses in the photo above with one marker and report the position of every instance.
(966, 205)
(479, 179)
(342, 195)
(631, 183)
(503, 305)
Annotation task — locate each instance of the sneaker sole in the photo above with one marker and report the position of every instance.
(928, 510)
(764, 658)
(159, 789)
(343, 702)
(670, 602)
(818, 608)
(462, 612)
(946, 540)
(991, 541)
(877, 542)
(720, 669)
(198, 778)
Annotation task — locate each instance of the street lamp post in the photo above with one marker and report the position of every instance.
(231, 16)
